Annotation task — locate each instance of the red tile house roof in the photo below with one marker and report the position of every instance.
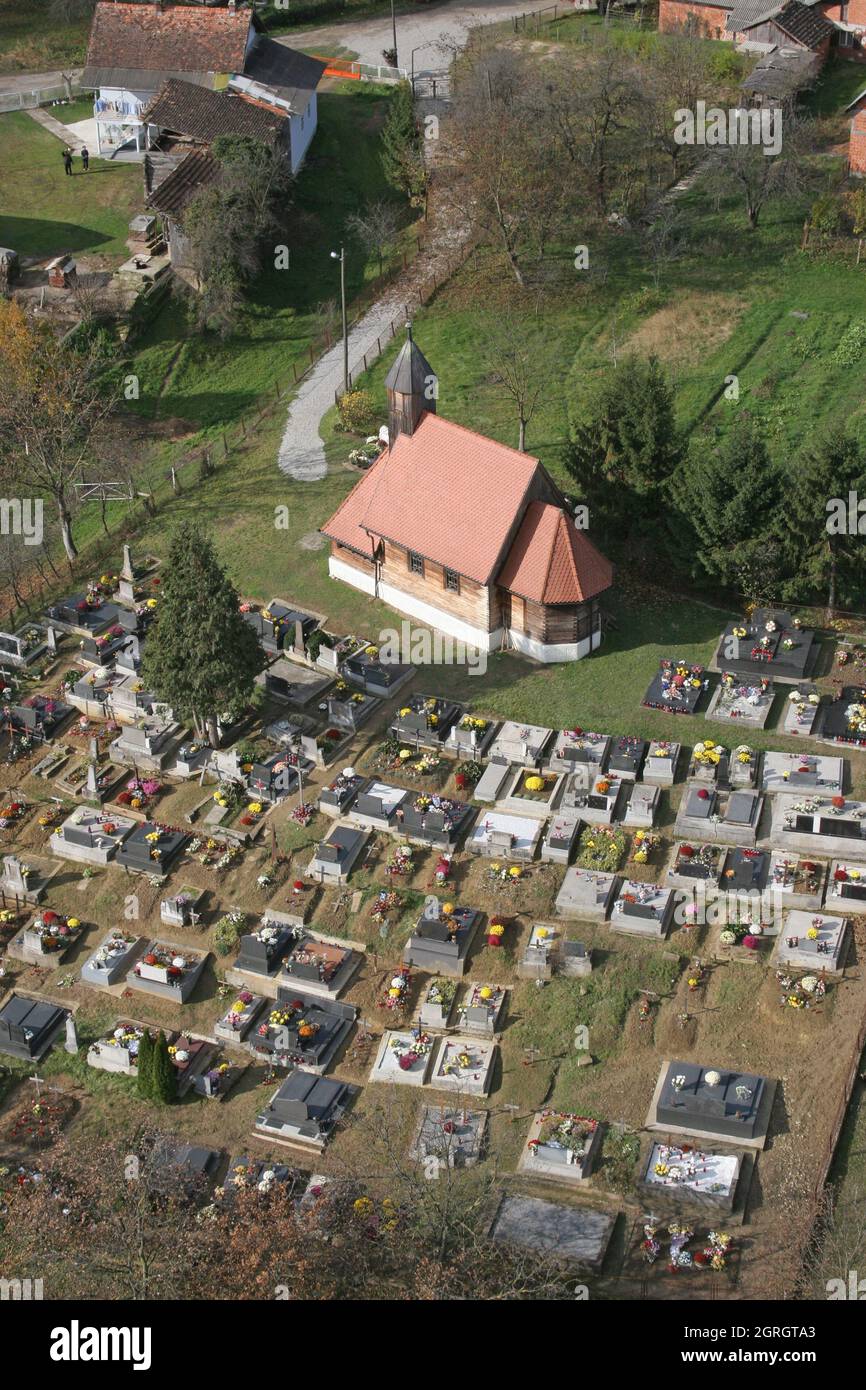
(173, 38)
(444, 492)
(552, 562)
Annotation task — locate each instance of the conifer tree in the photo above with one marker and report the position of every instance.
(144, 1071)
(164, 1075)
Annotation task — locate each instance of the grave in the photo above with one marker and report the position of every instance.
(25, 881)
(86, 615)
(594, 799)
(561, 1146)
(798, 882)
(90, 837)
(490, 785)
(302, 1030)
(642, 909)
(168, 970)
(176, 1166)
(320, 967)
(340, 794)
(586, 895)
(803, 772)
(191, 1058)
(531, 793)
(695, 864)
(741, 817)
(350, 711)
(404, 1057)
(712, 1103)
(28, 1027)
(538, 958)
(91, 781)
(813, 941)
(425, 721)
(245, 1173)
(578, 747)
(47, 939)
(803, 711)
(676, 687)
(500, 836)
(771, 643)
(262, 951)
(482, 1009)
(450, 1136)
(575, 959)
(437, 1004)
(112, 959)
(366, 670)
(276, 626)
(741, 702)
(525, 744)
(688, 1173)
(117, 1052)
(304, 1110)
(441, 938)
(819, 826)
(744, 870)
(846, 886)
(559, 840)
(38, 717)
(434, 820)
(239, 1017)
(20, 649)
(641, 805)
(191, 757)
(376, 807)
(148, 746)
(472, 736)
(741, 768)
(626, 757)
(577, 1234)
(151, 849)
(296, 685)
(336, 856)
(464, 1065)
(181, 909)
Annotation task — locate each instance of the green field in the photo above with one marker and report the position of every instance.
(43, 213)
(34, 40)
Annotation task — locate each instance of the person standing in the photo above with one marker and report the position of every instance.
(85, 158)
(67, 160)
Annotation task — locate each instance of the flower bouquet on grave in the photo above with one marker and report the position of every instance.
(716, 1250)
(650, 1246)
(396, 995)
(495, 932)
(303, 813)
(385, 902)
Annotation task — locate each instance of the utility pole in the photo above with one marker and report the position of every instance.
(341, 257)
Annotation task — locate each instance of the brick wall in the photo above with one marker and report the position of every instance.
(857, 144)
(710, 19)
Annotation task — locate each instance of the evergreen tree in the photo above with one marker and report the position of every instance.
(164, 1075)
(825, 538)
(201, 657)
(402, 150)
(144, 1075)
(727, 494)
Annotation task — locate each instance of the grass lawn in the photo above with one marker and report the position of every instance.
(32, 40)
(42, 212)
(207, 382)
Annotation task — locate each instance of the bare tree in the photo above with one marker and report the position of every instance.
(511, 348)
(374, 229)
(760, 175)
(664, 239)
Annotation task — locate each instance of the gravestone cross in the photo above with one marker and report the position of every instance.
(91, 786)
(127, 570)
(71, 1044)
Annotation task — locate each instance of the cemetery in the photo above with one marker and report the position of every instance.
(239, 1017)
(404, 1057)
(642, 909)
(450, 1136)
(806, 772)
(482, 1009)
(688, 1173)
(304, 1031)
(336, 798)
(662, 760)
(465, 1065)
(320, 966)
(803, 711)
(711, 1103)
(798, 882)
(500, 836)
(442, 938)
(337, 855)
(471, 736)
(813, 941)
(823, 826)
(148, 746)
(740, 702)
(561, 1146)
(843, 718)
(579, 1235)
(641, 805)
(425, 721)
(22, 648)
(525, 744)
(304, 1110)
(573, 747)
(560, 837)
(117, 1052)
(539, 955)
(846, 886)
(676, 687)
(167, 970)
(28, 1027)
(437, 1004)
(378, 807)
(151, 849)
(586, 894)
(771, 643)
(90, 837)
(47, 939)
(626, 757)
(112, 960)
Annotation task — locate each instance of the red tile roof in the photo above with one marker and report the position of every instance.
(176, 38)
(551, 561)
(445, 492)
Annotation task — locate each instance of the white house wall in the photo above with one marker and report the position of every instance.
(302, 128)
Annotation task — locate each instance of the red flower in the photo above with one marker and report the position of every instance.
(687, 851)
(297, 885)
(751, 943)
(839, 802)
(840, 875)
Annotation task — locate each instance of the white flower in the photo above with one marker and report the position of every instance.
(712, 1078)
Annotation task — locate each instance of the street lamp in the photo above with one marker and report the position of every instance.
(394, 34)
(341, 257)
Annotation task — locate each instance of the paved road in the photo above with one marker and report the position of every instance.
(34, 81)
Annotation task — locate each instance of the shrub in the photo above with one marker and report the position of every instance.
(356, 412)
(227, 933)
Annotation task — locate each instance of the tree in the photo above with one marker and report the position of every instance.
(825, 549)
(513, 353)
(54, 400)
(727, 494)
(202, 658)
(144, 1068)
(402, 149)
(759, 175)
(374, 229)
(163, 1073)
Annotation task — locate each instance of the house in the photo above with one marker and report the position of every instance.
(173, 195)
(135, 49)
(467, 535)
(791, 25)
(802, 28)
